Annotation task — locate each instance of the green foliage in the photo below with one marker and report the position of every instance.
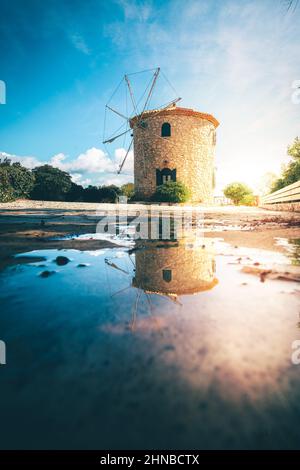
(239, 193)
(76, 193)
(6, 190)
(294, 149)
(91, 194)
(51, 184)
(172, 191)
(16, 181)
(101, 194)
(109, 193)
(128, 190)
(291, 172)
(248, 200)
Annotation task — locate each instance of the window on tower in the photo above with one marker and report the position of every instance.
(165, 175)
(166, 130)
(167, 275)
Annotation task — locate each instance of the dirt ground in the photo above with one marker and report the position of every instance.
(31, 225)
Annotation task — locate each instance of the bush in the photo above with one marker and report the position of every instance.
(101, 194)
(128, 190)
(109, 193)
(239, 193)
(16, 181)
(172, 192)
(248, 200)
(51, 184)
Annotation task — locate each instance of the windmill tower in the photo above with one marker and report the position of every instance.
(170, 143)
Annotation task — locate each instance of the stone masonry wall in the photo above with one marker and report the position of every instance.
(189, 149)
(192, 271)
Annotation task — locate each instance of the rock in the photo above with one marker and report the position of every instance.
(46, 273)
(62, 260)
(277, 272)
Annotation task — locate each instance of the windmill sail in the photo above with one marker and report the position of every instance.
(142, 103)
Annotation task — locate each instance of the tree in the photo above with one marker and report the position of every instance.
(128, 190)
(6, 190)
(239, 193)
(16, 181)
(249, 200)
(291, 172)
(294, 149)
(109, 193)
(172, 191)
(75, 193)
(91, 194)
(50, 183)
(101, 193)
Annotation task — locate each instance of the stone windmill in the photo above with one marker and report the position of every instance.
(170, 143)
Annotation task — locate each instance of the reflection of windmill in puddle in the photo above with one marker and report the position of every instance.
(169, 269)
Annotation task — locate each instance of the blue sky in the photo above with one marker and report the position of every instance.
(61, 60)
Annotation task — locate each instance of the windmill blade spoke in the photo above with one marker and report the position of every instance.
(124, 159)
(109, 141)
(117, 112)
(155, 77)
(131, 95)
(143, 103)
(169, 104)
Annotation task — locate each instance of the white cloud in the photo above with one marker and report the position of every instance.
(79, 43)
(27, 161)
(91, 167)
(120, 154)
(78, 179)
(118, 180)
(92, 161)
(136, 11)
(57, 161)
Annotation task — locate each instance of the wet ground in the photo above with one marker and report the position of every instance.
(119, 343)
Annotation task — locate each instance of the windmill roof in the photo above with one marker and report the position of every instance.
(178, 111)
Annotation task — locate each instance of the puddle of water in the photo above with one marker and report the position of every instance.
(292, 247)
(165, 344)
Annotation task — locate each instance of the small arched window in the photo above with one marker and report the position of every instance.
(166, 130)
(167, 275)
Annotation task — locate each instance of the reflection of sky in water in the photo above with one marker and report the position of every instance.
(102, 354)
